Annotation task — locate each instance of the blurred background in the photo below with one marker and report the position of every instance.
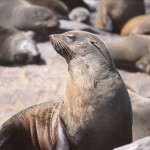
(31, 72)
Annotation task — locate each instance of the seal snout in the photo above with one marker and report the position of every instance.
(54, 39)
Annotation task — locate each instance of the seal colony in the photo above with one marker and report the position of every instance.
(131, 52)
(117, 12)
(25, 16)
(95, 112)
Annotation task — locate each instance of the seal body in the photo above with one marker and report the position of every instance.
(137, 25)
(141, 113)
(95, 94)
(24, 16)
(17, 47)
(131, 52)
(56, 5)
(30, 129)
(112, 14)
(80, 14)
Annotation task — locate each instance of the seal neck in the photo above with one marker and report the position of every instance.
(86, 89)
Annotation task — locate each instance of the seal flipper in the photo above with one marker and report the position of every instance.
(144, 64)
(13, 136)
(63, 140)
(4, 141)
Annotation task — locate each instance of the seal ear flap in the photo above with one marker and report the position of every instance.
(63, 142)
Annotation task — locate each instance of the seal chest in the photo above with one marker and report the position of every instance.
(96, 108)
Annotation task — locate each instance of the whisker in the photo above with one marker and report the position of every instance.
(68, 50)
(64, 50)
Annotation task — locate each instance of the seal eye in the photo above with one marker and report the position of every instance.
(70, 38)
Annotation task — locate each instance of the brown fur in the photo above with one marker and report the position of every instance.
(137, 25)
(30, 129)
(56, 5)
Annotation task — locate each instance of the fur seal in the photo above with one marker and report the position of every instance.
(24, 16)
(80, 14)
(137, 25)
(85, 118)
(93, 91)
(17, 47)
(112, 14)
(56, 5)
(132, 52)
(141, 113)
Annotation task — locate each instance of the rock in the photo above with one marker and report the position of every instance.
(142, 144)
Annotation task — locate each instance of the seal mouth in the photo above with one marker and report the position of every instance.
(61, 47)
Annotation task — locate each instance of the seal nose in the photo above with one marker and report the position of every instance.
(53, 38)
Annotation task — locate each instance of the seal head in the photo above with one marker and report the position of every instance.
(72, 45)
